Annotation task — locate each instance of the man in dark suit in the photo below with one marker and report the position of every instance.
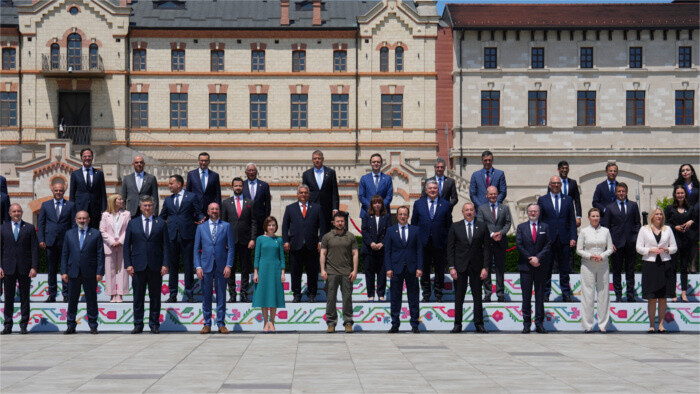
(533, 242)
(569, 187)
(182, 212)
(146, 258)
(323, 189)
(20, 261)
(204, 183)
(557, 211)
(496, 217)
(446, 185)
(375, 183)
(138, 184)
(259, 192)
(300, 226)
(605, 191)
(622, 219)
(433, 216)
(88, 190)
(82, 264)
(485, 177)
(468, 256)
(3, 185)
(238, 212)
(56, 216)
(403, 260)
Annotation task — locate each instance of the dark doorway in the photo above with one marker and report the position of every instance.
(74, 117)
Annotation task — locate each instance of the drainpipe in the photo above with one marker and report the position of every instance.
(461, 134)
(357, 93)
(19, 87)
(127, 99)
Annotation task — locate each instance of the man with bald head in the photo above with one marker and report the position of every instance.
(558, 212)
(137, 184)
(259, 192)
(496, 217)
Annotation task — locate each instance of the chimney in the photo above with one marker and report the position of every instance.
(284, 18)
(317, 21)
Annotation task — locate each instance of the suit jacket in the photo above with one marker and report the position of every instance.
(51, 228)
(526, 248)
(449, 190)
(464, 255)
(299, 231)
(244, 228)
(646, 241)
(477, 186)
(602, 197)
(131, 193)
(436, 227)
(208, 196)
(400, 256)
(502, 223)
(93, 200)
(327, 197)
(4, 207)
(18, 257)
(86, 262)
(182, 220)
(373, 233)
(3, 185)
(623, 228)
(262, 203)
(109, 237)
(210, 254)
(562, 227)
(385, 188)
(141, 251)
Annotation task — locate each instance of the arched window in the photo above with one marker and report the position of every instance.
(399, 59)
(384, 59)
(55, 53)
(94, 56)
(74, 54)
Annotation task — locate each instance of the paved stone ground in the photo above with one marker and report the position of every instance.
(368, 362)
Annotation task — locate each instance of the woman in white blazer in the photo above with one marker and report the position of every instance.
(595, 246)
(656, 244)
(113, 229)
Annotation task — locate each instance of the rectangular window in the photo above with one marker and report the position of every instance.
(537, 60)
(586, 57)
(8, 108)
(490, 108)
(684, 58)
(9, 58)
(635, 57)
(635, 107)
(258, 110)
(178, 60)
(258, 61)
(340, 60)
(339, 110)
(392, 110)
(217, 60)
(139, 60)
(178, 109)
(298, 61)
(300, 112)
(139, 110)
(585, 108)
(490, 57)
(685, 108)
(217, 110)
(384, 59)
(537, 108)
(398, 59)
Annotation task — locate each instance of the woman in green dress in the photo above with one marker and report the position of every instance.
(269, 274)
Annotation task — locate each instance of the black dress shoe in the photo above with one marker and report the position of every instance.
(425, 299)
(618, 298)
(23, 330)
(540, 329)
(6, 331)
(631, 299)
(171, 299)
(231, 299)
(567, 299)
(526, 330)
(244, 298)
(501, 299)
(137, 330)
(191, 300)
(93, 331)
(438, 299)
(415, 330)
(51, 299)
(155, 330)
(69, 331)
(296, 298)
(480, 329)
(393, 330)
(486, 299)
(312, 299)
(456, 329)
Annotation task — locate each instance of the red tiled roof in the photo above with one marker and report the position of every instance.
(567, 16)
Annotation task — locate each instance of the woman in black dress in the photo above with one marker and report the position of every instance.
(689, 180)
(374, 227)
(679, 217)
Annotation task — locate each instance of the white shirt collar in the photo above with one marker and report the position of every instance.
(180, 193)
(319, 170)
(57, 201)
(201, 171)
(211, 222)
(467, 222)
(144, 218)
(85, 169)
(301, 204)
(140, 174)
(531, 222)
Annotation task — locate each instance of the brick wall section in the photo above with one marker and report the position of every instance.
(444, 92)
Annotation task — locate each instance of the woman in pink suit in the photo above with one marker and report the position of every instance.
(113, 229)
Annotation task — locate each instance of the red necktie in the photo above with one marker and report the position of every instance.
(488, 179)
(493, 211)
(303, 211)
(534, 232)
(238, 206)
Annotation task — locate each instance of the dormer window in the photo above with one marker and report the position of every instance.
(169, 5)
(307, 5)
(73, 10)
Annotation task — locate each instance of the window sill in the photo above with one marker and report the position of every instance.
(497, 69)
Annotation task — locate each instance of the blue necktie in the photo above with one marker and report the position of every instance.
(556, 204)
(88, 181)
(213, 234)
(403, 234)
(148, 228)
(82, 238)
(376, 181)
(612, 190)
(432, 209)
(566, 187)
(622, 208)
(203, 178)
(16, 232)
(440, 186)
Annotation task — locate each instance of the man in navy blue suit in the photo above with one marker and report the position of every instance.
(4, 208)
(323, 190)
(604, 192)
(56, 216)
(88, 190)
(82, 264)
(485, 177)
(213, 258)
(533, 242)
(204, 183)
(433, 216)
(146, 258)
(375, 183)
(3, 184)
(300, 226)
(558, 212)
(403, 260)
(259, 192)
(182, 212)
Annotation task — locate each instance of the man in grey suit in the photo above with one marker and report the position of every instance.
(139, 183)
(497, 219)
(446, 185)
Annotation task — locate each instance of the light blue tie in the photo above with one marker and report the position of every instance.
(213, 234)
(82, 238)
(203, 179)
(432, 209)
(566, 187)
(16, 232)
(440, 186)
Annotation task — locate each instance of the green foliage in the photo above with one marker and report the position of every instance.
(665, 202)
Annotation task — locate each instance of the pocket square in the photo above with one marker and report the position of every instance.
(542, 232)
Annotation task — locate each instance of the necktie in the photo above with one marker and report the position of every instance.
(534, 232)
(82, 238)
(376, 181)
(403, 234)
(556, 204)
(622, 208)
(238, 206)
(488, 179)
(251, 186)
(319, 179)
(566, 186)
(303, 210)
(177, 202)
(213, 233)
(440, 186)
(432, 209)
(58, 209)
(148, 228)
(612, 190)
(203, 179)
(493, 211)
(88, 178)
(469, 232)
(16, 231)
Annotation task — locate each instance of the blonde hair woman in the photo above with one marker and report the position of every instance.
(113, 229)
